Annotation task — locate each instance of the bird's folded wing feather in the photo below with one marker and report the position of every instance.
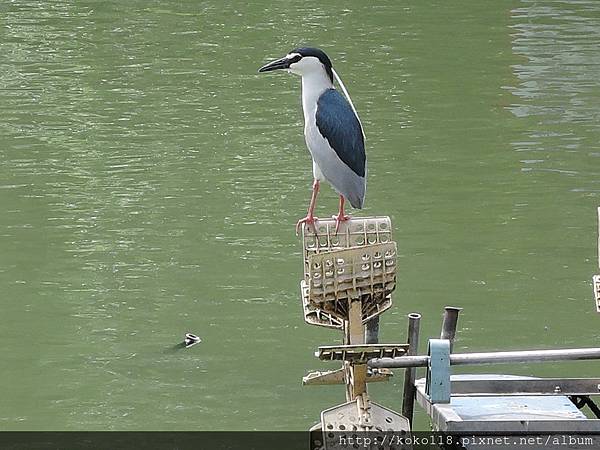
(338, 124)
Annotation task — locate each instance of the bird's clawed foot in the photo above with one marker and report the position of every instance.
(309, 220)
(341, 217)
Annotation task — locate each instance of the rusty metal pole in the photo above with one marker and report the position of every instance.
(449, 322)
(408, 397)
(372, 331)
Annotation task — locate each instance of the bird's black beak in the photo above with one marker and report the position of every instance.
(283, 63)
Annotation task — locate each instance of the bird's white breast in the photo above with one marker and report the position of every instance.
(313, 85)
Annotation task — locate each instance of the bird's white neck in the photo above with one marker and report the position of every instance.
(313, 85)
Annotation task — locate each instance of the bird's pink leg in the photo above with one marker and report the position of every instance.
(341, 217)
(310, 219)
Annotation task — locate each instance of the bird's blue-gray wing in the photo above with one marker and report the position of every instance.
(338, 124)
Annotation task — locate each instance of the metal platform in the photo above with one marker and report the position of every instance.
(506, 415)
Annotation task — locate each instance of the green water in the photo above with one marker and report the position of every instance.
(150, 181)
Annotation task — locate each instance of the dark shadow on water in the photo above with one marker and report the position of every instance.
(175, 348)
(181, 346)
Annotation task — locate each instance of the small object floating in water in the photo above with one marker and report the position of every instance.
(191, 339)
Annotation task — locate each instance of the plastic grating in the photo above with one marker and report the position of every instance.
(356, 232)
(314, 315)
(352, 273)
(331, 314)
(357, 262)
(360, 416)
(361, 352)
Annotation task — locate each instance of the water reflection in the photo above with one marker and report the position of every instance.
(558, 88)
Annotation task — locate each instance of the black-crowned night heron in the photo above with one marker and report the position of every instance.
(332, 130)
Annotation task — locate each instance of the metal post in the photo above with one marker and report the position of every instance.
(372, 331)
(449, 321)
(596, 278)
(408, 397)
(599, 237)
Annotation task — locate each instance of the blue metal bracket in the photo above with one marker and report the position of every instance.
(438, 371)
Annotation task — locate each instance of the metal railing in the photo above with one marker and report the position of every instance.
(529, 356)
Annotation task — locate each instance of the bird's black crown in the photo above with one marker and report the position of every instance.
(317, 53)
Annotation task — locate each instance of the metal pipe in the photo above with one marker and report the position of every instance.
(567, 354)
(449, 322)
(529, 356)
(399, 363)
(372, 331)
(408, 397)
